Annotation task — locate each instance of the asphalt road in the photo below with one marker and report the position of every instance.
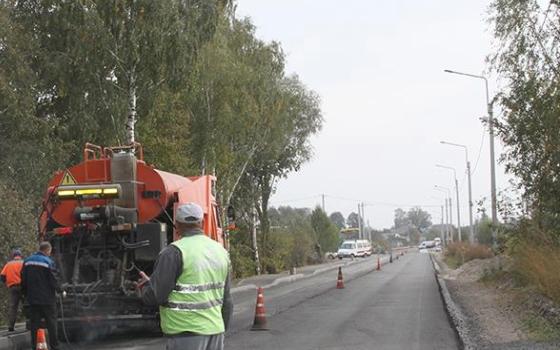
(396, 308)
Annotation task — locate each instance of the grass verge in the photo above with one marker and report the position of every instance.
(458, 253)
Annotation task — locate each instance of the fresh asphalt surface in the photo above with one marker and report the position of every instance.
(398, 307)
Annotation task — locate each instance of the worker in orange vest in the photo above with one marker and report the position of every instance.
(11, 276)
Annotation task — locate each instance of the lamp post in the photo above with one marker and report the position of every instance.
(457, 198)
(492, 160)
(448, 210)
(443, 228)
(471, 226)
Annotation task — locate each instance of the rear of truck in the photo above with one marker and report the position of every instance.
(107, 219)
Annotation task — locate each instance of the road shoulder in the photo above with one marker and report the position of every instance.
(487, 313)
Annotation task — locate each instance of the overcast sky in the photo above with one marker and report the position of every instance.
(378, 67)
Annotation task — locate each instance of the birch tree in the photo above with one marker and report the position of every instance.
(527, 59)
(102, 63)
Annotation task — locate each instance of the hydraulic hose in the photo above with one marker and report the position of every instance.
(63, 322)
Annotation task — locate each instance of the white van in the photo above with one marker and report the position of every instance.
(353, 249)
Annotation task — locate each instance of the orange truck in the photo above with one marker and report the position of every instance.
(108, 218)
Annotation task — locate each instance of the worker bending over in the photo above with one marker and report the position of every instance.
(191, 283)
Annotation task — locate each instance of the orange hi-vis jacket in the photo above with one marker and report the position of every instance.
(12, 272)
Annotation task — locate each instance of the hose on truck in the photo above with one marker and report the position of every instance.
(63, 322)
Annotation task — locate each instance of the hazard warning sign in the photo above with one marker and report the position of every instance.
(68, 179)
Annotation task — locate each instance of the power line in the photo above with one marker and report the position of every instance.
(295, 199)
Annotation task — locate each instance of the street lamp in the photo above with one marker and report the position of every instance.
(443, 233)
(457, 197)
(492, 160)
(448, 209)
(471, 226)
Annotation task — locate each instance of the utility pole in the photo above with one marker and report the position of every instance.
(458, 210)
(366, 234)
(448, 191)
(442, 234)
(471, 225)
(451, 219)
(492, 162)
(359, 222)
(446, 222)
(492, 155)
(457, 194)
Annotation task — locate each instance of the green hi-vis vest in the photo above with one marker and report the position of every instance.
(195, 305)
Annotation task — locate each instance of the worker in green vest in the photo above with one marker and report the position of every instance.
(190, 284)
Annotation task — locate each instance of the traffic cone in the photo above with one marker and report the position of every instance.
(378, 264)
(41, 340)
(259, 324)
(339, 281)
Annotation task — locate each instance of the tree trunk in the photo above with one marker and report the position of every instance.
(255, 242)
(265, 192)
(131, 118)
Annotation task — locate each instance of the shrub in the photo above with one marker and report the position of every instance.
(458, 253)
(536, 257)
(242, 261)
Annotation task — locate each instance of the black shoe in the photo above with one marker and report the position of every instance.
(10, 330)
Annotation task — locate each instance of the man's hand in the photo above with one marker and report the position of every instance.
(143, 279)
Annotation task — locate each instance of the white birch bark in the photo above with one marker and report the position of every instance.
(132, 116)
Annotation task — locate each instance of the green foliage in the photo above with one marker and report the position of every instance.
(294, 223)
(354, 220)
(540, 328)
(416, 217)
(17, 230)
(325, 231)
(419, 218)
(401, 218)
(208, 95)
(338, 219)
(484, 231)
(433, 233)
(527, 61)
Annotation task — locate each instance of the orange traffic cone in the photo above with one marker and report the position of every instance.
(260, 314)
(41, 340)
(339, 281)
(378, 264)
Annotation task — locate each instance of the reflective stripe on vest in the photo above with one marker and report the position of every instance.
(195, 305)
(196, 288)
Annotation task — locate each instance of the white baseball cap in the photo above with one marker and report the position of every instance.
(189, 213)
